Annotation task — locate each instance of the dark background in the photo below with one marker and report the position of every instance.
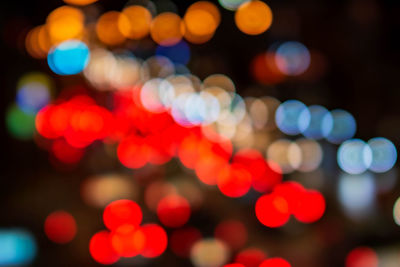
(360, 43)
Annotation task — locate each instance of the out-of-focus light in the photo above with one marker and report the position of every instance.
(219, 81)
(354, 156)
(17, 247)
(311, 155)
(286, 154)
(107, 27)
(69, 57)
(362, 257)
(127, 240)
(275, 262)
(19, 124)
(121, 212)
(101, 250)
(157, 67)
(178, 53)
(98, 191)
(37, 42)
(60, 227)
(313, 129)
(32, 97)
(264, 69)
(156, 191)
(66, 153)
(231, 4)
(291, 192)
(338, 126)
(156, 240)
(250, 257)
(356, 194)
(65, 23)
(292, 58)
(384, 154)
(80, 2)
(310, 207)
(288, 117)
(253, 17)
(153, 92)
(265, 175)
(234, 180)
(396, 212)
(272, 210)
(232, 232)
(167, 29)
(209, 253)
(173, 211)
(201, 20)
(134, 22)
(182, 240)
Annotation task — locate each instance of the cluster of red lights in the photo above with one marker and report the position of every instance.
(125, 236)
(143, 137)
(289, 198)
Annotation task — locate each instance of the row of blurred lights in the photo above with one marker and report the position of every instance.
(140, 19)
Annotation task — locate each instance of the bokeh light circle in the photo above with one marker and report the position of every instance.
(384, 154)
(253, 17)
(354, 156)
(292, 58)
(290, 114)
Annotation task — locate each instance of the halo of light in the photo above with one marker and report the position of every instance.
(288, 119)
(65, 23)
(121, 212)
(220, 81)
(354, 156)
(234, 180)
(250, 257)
(60, 227)
(173, 211)
(310, 206)
(253, 17)
(232, 232)
(362, 257)
(32, 97)
(167, 29)
(314, 128)
(127, 240)
(201, 20)
(311, 155)
(19, 124)
(338, 126)
(272, 210)
(182, 241)
(286, 154)
(384, 154)
(231, 4)
(265, 174)
(107, 27)
(69, 57)
(98, 191)
(101, 250)
(209, 252)
(17, 247)
(178, 53)
(292, 58)
(356, 194)
(150, 95)
(264, 69)
(396, 211)
(156, 240)
(275, 262)
(134, 22)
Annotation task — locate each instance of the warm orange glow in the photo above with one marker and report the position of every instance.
(80, 2)
(65, 23)
(127, 240)
(107, 28)
(253, 17)
(134, 22)
(167, 29)
(32, 43)
(201, 20)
